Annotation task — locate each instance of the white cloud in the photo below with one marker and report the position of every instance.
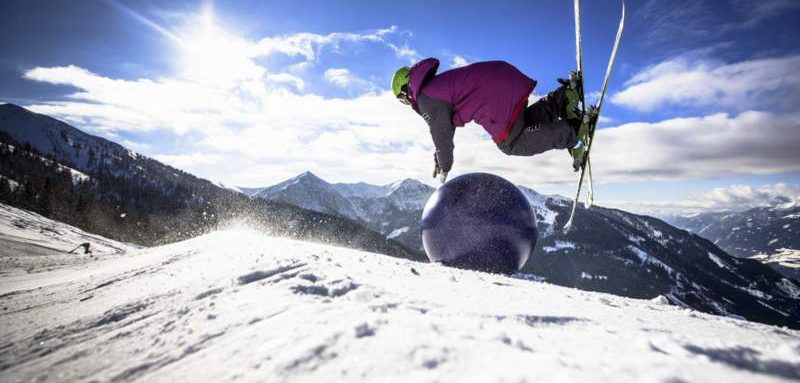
(717, 145)
(458, 62)
(703, 83)
(252, 133)
(339, 76)
(288, 79)
(673, 23)
(742, 197)
(374, 138)
(756, 12)
(406, 52)
(252, 129)
(732, 198)
(183, 161)
(342, 77)
(251, 122)
(308, 45)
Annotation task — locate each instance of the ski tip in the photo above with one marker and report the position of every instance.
(566, 228)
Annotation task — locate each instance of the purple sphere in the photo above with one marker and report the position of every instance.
(479, 221)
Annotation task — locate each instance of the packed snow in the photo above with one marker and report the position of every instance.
(398, 232)
(237, 305)
(30, 243)
(544, 215)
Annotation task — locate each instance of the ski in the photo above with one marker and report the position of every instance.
(579, 54)
(590, 190)
(594, 112)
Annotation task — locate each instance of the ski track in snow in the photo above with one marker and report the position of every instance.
(239, 305)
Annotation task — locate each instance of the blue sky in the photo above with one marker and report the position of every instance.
(700, 112)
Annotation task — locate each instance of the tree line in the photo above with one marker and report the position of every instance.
(142, 201)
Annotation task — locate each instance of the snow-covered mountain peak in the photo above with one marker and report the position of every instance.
(545, 215)
(311, 192)
(408, 183)
(308, 177)
(409, 194)
(787, 203)
(239, 305)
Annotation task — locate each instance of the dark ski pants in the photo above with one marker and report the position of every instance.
(540, 128)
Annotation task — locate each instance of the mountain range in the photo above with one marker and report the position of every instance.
(607, 250)
(768, 233)
(392, 210)
(50, 167)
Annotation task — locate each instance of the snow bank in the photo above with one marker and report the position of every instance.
(238, 305)
(30, 242)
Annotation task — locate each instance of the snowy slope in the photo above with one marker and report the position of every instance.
(613, 251)
(238, 305)
(786, 261)
(57, 138)
(32, 243)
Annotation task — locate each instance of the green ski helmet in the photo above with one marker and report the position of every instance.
(400, 81)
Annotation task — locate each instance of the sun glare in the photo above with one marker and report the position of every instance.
(211, 55)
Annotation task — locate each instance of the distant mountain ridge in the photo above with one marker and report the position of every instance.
(391, 209)
(49, 167)
(770, 234)
(760, 230)
(608, 250)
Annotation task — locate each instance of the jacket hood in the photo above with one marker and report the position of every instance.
(420, 73)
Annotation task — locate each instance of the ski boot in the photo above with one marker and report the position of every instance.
(578, 152)
(573, 88)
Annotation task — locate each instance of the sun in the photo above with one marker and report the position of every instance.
(212, 55)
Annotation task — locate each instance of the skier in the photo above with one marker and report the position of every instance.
(85, 246)
(494, 94)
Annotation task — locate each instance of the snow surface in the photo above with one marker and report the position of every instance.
(720, 262)
(647, 258)
(398, 232)
(559, 244)
(237, 305)
(539, 203)
(31, 243)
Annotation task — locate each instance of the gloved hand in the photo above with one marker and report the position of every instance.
(437, 171)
